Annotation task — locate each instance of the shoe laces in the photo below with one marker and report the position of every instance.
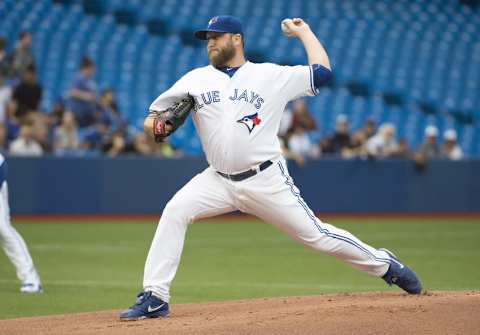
(141, 298)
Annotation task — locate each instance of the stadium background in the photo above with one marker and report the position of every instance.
(410, 62)
(413, 63)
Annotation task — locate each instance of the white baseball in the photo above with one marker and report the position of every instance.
(286, 31)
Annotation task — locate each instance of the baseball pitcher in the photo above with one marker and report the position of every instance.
(236, 106)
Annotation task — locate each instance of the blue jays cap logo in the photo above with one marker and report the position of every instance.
(213, 20)
(250, 121)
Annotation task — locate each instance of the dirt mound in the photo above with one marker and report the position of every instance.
(363, 313)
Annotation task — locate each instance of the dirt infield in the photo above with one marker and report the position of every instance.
(365, 313)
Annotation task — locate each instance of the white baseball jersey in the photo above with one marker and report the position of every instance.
(237, 118)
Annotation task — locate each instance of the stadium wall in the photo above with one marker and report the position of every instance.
(133, 185)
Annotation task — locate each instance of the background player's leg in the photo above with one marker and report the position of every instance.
(14, 245)
(204, 196)
(273, 197)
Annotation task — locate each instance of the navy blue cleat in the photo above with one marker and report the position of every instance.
(402, 276)
(146, 306)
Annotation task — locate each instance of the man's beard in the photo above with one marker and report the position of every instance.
(222, 56)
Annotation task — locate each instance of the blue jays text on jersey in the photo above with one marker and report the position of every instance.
(247, 96)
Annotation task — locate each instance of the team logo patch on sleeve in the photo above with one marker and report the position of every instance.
(250, 121)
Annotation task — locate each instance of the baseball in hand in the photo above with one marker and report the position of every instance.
(286, 30)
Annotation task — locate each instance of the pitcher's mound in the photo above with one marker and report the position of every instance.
(362, 313)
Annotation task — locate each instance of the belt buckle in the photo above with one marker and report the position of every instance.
(256, 168)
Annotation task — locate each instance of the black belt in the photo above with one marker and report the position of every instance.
(246, 174)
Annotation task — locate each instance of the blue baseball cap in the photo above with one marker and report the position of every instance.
(221, 24)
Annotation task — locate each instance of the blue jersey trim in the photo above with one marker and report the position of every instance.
(319, 76)
(230, 71)
(312, 87)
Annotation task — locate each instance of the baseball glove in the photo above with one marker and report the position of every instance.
(173, 116)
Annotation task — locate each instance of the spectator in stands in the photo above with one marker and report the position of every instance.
(358, 141)
(302, 117)
(358, 146)
(296, 113)
(368, 130)
(403, 151)
(22, 57)
(41, 134)
(325, 145)
(141, 145)
(5, 96)
(300, 144)
(293, 133)
(109, 114)
(450, 149)
(82, 99)
(56, 114)
(4, 63)
(144, 146)
(28, 93)
(12, 123)
(40, 130)
(117, 146)
(340, 140)
(383, 144)
(429, 148)
(3, 138)
(25, 144)
(66, 135)
(95, 138)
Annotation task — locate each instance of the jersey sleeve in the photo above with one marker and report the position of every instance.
(165, 100)
(297, 81)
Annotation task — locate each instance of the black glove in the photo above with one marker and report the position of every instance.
(174, 116)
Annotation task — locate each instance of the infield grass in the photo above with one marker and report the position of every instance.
(97, 265)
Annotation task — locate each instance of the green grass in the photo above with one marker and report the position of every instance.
(94, 266)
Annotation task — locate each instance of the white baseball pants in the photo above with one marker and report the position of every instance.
(13, 244)
(269, 195)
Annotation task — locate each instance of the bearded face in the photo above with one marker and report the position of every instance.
(220, 49)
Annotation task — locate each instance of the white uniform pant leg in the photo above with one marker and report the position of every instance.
(13, 244)
(206, 195)
(273, 197)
